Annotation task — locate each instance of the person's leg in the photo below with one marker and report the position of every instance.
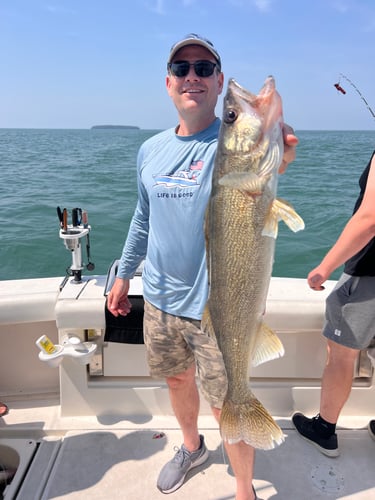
(170, 357)
(349, 328)
(349, 322)
(336, 386)
(241, 457)
(337, 380)
(184, 397)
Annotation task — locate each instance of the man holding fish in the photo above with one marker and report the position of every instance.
(175, 170)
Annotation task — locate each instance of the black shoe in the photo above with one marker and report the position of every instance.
(306, 427)
(371, 428)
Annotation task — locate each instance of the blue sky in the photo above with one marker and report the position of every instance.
(77, 63)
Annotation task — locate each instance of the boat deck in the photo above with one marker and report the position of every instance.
(109, 457)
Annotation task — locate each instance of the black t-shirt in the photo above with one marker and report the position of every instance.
(363, 262)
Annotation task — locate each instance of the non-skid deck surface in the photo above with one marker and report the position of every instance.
(111, 460)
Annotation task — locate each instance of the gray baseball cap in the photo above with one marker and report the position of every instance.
(194, 39)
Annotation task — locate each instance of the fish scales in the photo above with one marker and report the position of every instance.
(241, 228)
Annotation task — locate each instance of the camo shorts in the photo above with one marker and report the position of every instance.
(174, 343)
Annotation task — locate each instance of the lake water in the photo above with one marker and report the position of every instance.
(95, 170)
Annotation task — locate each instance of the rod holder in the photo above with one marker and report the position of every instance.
(72, 237)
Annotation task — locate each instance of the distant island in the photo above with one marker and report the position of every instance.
(116, 126)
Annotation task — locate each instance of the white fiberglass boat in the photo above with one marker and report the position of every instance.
(91, 423)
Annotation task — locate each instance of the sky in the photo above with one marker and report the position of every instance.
(79, 63)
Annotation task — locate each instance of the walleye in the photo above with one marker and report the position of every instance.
(241, 229)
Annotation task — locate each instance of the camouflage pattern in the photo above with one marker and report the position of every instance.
(174, 343)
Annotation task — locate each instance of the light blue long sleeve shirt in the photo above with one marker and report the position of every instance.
(167, 228)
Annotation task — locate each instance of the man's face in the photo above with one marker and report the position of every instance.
(191, 93)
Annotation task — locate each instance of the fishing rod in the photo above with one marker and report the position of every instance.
(340, 89)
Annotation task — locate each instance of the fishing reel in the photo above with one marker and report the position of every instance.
(72, 235)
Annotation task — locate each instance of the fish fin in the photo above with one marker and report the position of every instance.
(206, 323)
(282, 210)
(243, 181)
(271, 224)
(249, 422)
(268, 346)
(271, 160)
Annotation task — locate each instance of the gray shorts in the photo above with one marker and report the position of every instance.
(350, 312)
(174, 343)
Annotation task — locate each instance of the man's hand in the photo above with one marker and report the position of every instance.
(118, 301)
(316, 278)
(290, 143)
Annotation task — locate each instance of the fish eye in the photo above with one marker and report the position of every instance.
(230, 116)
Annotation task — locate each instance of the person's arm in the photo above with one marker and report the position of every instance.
(134, 251)
(356, 234)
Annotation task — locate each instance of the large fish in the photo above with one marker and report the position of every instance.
(241, 229)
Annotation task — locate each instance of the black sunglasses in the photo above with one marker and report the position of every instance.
(202, 69)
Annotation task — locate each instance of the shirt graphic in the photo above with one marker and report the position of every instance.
(185, 178)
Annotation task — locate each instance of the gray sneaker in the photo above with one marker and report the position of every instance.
(173, 473)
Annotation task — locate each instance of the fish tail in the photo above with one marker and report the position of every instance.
(249, 422)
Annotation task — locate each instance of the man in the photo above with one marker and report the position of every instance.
(174, 184)
(350, 324)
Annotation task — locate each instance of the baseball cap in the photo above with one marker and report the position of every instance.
(194, 39)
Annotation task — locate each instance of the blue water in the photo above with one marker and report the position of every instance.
(95, 170)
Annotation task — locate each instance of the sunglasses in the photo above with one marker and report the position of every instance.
(202, 69)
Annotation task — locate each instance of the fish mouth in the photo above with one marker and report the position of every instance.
(235, 89)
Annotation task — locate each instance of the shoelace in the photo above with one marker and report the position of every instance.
(182, 454)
